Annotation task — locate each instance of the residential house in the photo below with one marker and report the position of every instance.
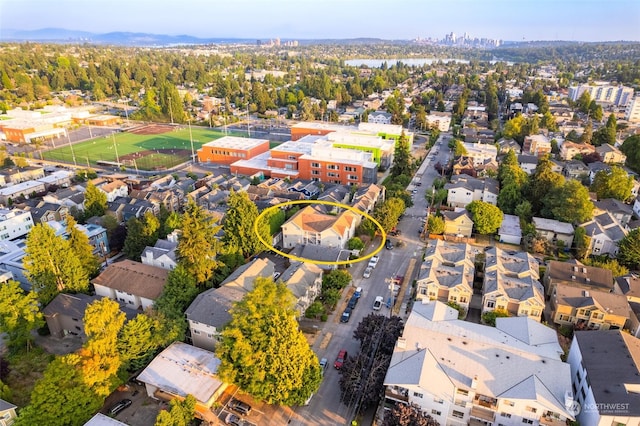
(480, 152)
(578, 275)
(100, 419)
(538, 145)
(511, 283)
(629, 286)
(462, 373)
(14, 223)
(379, 117)
(446, 274)
(7, 413)
(458, 223)
(11, 255)
(65, 314)
(60, 178)
(125, 208)
(507, 145)
(575, 169)
(605, 233)
(463, 189)
(510, 232)
(553, 230)
(589, 309)
(163, 253)
(367, 197)
(605, 374)
(114, 189)
(311, 225)
(305, 282)
(10, 194)
(136, 284)
(22, 174)
(72, 197)
(596, 167)
(620, 211)
(439, 120)
(182, 370)
(569, 149)
(209, 312)
(43, 212)
(528, 163)
(316, 253)
(610, 154)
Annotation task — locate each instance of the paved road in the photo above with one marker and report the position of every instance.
(325, 407)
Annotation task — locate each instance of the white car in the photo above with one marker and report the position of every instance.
(378, 303)
(373, 261)
(367, 272)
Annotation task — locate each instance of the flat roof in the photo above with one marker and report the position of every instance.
(236, 142)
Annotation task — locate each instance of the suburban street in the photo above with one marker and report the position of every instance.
(325, 407)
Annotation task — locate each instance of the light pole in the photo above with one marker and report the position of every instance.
(73, 154)
(115, 148)
(191, 139)
(170, 110)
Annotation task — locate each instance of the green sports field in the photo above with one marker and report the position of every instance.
(145, 151)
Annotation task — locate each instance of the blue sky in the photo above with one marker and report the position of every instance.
(585, 20)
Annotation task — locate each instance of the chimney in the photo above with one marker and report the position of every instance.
(474, 382)
(402, 343)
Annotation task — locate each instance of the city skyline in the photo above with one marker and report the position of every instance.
(527, 20)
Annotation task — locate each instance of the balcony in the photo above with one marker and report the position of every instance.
(552, 421)
(397, 394)
(482, 413)
(485, 401)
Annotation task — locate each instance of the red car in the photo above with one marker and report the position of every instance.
(340, 359)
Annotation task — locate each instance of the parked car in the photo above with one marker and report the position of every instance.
(342, 355)
(323, 364)
(353, 301)
(367, 272)
(119, 407)
(358, 292)
(374, 261)
(388, 244)
(377, 304)
(233, 420)
(346, 315)
(240, 407)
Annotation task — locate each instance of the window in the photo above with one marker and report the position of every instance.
(196, 331)
(462, 392)
(423, 291)
(491, 304)
(316, 165)
(457, 414)
(507, 415)
(352, 177)
(463, 299)
(578, 377)
(331, 174)
(531, 409)
(291, 157)
(315, 172)
(417, 395)
(332, 167)
(349, 169)
(436, 412)
(461, 403)
(509, 403)
(527, 421)
(438, 400)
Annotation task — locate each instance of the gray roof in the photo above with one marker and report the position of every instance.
(614, 206)
(612, 361)
(212, 306)
(4, 405)
(321, 253)
(629, 285)
(72, 305)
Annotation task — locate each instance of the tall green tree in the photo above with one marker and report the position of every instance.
(80, 245)
(178, 293)
(542, 181)
(569, 203)
(95, 201)
(100, 359)
(631, 148)
(61, 397)
(487, 218)
(198, 245)
(140, 234)
(19, 315)
(264, 352)
(238, 225)
(615, 183)
(180, 412)
(402, 160)
(51, 265)
(435, 225)
(629, 249)
(389, 213)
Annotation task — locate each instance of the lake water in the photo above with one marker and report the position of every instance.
(377, 63)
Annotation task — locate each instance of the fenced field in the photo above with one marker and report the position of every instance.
(147, 147)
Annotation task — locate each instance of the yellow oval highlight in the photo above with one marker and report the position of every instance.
(328, 203)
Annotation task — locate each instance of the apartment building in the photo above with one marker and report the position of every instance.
(14, 223)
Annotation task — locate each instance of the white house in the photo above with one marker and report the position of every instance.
(130, 282)
(510, 231)
(163, 253)
(605, 374)
(605, 232)
(14, 223)
(554, 230)
(113, 189)
(379, 117)
(480, 152)
(305, 282)
(462, 373)
(312, 226)
(463, 189)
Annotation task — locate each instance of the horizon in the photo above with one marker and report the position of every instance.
(524, 21)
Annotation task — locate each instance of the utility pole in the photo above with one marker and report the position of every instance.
(73, 154)
(191, 139)
(115, 148)
(170, 110)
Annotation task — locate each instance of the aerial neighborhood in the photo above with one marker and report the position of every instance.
(267, 235)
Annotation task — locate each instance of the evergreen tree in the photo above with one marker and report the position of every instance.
(198, 245)
(51, 265)
(264, 352)
(238, 225)
(95, 201)
(402, 161)
(542, 181)
(82, 248)
(629, 249)
(140, 234)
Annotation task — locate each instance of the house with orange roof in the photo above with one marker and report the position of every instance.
(312, 225)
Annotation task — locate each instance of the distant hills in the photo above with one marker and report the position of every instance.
(61, 35)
